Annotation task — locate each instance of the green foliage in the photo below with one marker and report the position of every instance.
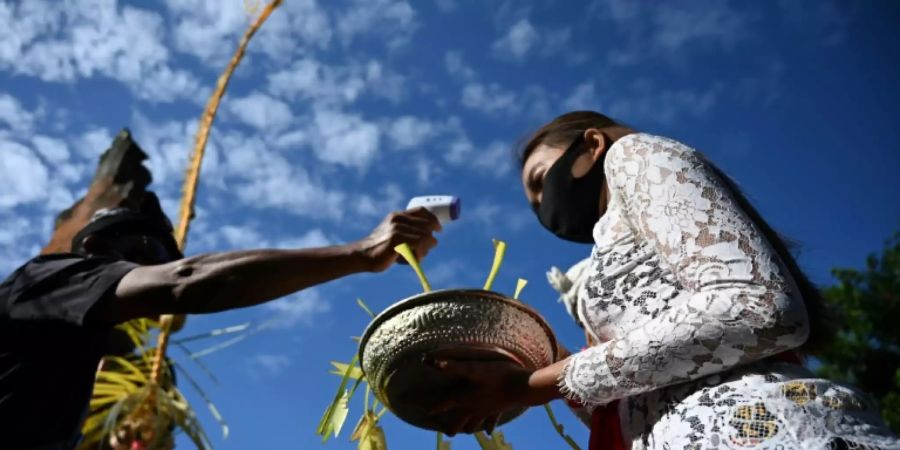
(866, 350)
(560, 430)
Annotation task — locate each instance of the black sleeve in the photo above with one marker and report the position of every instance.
(60, 287)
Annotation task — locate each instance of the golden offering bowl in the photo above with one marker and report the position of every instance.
(465, 324)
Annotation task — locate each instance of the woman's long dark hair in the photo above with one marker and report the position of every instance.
(563, 130)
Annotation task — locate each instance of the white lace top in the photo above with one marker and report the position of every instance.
(685, 296)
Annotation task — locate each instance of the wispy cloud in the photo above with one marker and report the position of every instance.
(261, 111)
(267, 365)
(23, 175)
(643, 102)
(298, 309)
(665, 31)
(489, 98)
(453, 62)
(13, 115)
(517, 42)
(201, 27)
(392, 19)
(63, 42)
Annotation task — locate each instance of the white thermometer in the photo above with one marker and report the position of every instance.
(445, 207)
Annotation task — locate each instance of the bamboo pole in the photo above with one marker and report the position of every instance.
(192, 177)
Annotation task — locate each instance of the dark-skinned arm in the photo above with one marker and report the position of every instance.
(228, 280)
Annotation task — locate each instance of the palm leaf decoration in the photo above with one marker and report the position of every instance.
(135, 403)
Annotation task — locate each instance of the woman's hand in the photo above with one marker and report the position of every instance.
(413, 227)
(489, 389)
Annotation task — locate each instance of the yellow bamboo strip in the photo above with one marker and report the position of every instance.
(192, 178)
(407, 253)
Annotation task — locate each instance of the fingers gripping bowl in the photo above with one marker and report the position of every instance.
(468, 324)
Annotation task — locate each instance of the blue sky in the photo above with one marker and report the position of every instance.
(345, 109)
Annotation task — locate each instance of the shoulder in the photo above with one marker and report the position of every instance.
(649, 157)
(47, 266)
(637, 151)
(47, 282)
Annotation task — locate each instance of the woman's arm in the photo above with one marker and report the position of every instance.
(742, 304)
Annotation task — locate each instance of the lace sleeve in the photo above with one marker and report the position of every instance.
(741, 305)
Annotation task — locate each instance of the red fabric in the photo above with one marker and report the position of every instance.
(789, 356)
(606, 431)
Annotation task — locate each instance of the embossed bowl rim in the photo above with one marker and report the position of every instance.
(442, 295)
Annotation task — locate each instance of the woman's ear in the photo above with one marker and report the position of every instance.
(596, 142)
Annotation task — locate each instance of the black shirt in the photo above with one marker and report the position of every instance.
(48, 352)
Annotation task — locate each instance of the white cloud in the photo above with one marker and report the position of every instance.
(453, 61)
(249, 236)
(710, 22)
(407, 132)
(268, 365)
(344, 139)
(20, 239)
(242, 237)
(207, 29)
(55, 151)
(584, 96)
(63, 42)
(394, 19)
(390, 198)
(23, 175)
(517, 42)
(448, 273)
(261, 111)
(168, 144)
(300, 308)
(490, 99)
(426, 170)
(646, 29)
(14, 115)
(91, 144)
(307, 78)
(495, 158)
(311, 239)
(210, 29)
(446, 5)
(263, 178)
(643, 102)
(336, 85)
(495, 218)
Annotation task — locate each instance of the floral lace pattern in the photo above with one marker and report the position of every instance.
(686, 296)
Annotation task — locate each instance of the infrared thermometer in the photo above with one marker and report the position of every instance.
(445, 207)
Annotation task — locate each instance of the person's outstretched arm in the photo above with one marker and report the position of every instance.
(228, 280)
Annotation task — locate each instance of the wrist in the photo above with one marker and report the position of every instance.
(358, 258)
(543, 384)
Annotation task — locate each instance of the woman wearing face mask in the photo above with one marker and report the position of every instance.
(697, 313)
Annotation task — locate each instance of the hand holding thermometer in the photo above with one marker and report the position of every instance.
(445, 207)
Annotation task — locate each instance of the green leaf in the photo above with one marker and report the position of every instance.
(441, 443)
(214, 333)
(559, 428)
(365, 307)
(338, 406)
(499, 252)
(355, 372)
(374, 440)
(495, 441)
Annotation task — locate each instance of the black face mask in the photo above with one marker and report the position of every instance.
(570, 206)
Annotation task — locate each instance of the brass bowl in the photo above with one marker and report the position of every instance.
(468, 324)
